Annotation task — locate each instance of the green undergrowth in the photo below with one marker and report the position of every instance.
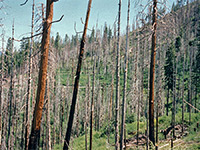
(99, 143)
(100, 139)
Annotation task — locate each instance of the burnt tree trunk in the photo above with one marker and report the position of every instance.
(152, 75)
(76, 84)
(42, 77)
(92, 105)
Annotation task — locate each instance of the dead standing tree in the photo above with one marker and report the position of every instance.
(10, 92)
(125, 82)
(152, 74)
(117, 83)
(36, 123)
(29, 81)
(77, 77)
(1, 89)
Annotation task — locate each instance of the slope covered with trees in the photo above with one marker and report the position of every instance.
(125, 88)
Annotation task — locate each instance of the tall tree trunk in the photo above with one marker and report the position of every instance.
(137, 79)
(174, 94)
(152, 75)
(76, 84)
(125, 81)
(147, 102)
(1, 88)
(183, 90)
(29, 82)
(190, 86)
(42, 77)
(10, 93)
(92, 104)
(117, 83)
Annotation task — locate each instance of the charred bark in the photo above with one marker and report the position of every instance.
(76, 84)
(152, 75)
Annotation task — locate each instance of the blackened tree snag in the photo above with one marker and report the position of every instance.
(36, 123)
(76, 84)
(152, 75)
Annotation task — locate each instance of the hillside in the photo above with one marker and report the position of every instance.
(176, 115)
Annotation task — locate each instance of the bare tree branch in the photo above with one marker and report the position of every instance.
(24, 3)
(58, 19)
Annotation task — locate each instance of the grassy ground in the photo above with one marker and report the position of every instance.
(100, 140)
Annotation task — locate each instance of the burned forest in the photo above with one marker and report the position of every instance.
(100, 75)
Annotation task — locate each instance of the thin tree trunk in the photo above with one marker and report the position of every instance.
(54, 113)
(190, 87)
(110, 106)
(23, 120)
(29, 83)
(17, 114)
(167, 107)
(183, 90)
(117, 83)
(11, 93)
(42, 77)
(174, 95)
(1, 89)
(125, 82)
(137, 86)
(92, 104)
(61, 118)
(152, 75)
(76, 84)
(147, 102)
(87, 90)
(48, 126)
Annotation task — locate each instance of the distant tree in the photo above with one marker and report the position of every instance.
(57, 43)
(91, 38)
(196, 67)
(169, 73)
(7, 55)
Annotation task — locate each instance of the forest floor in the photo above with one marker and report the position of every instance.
(190, 140)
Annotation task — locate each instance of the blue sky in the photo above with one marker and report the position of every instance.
(73, 10)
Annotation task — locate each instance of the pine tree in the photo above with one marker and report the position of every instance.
(169, 73)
